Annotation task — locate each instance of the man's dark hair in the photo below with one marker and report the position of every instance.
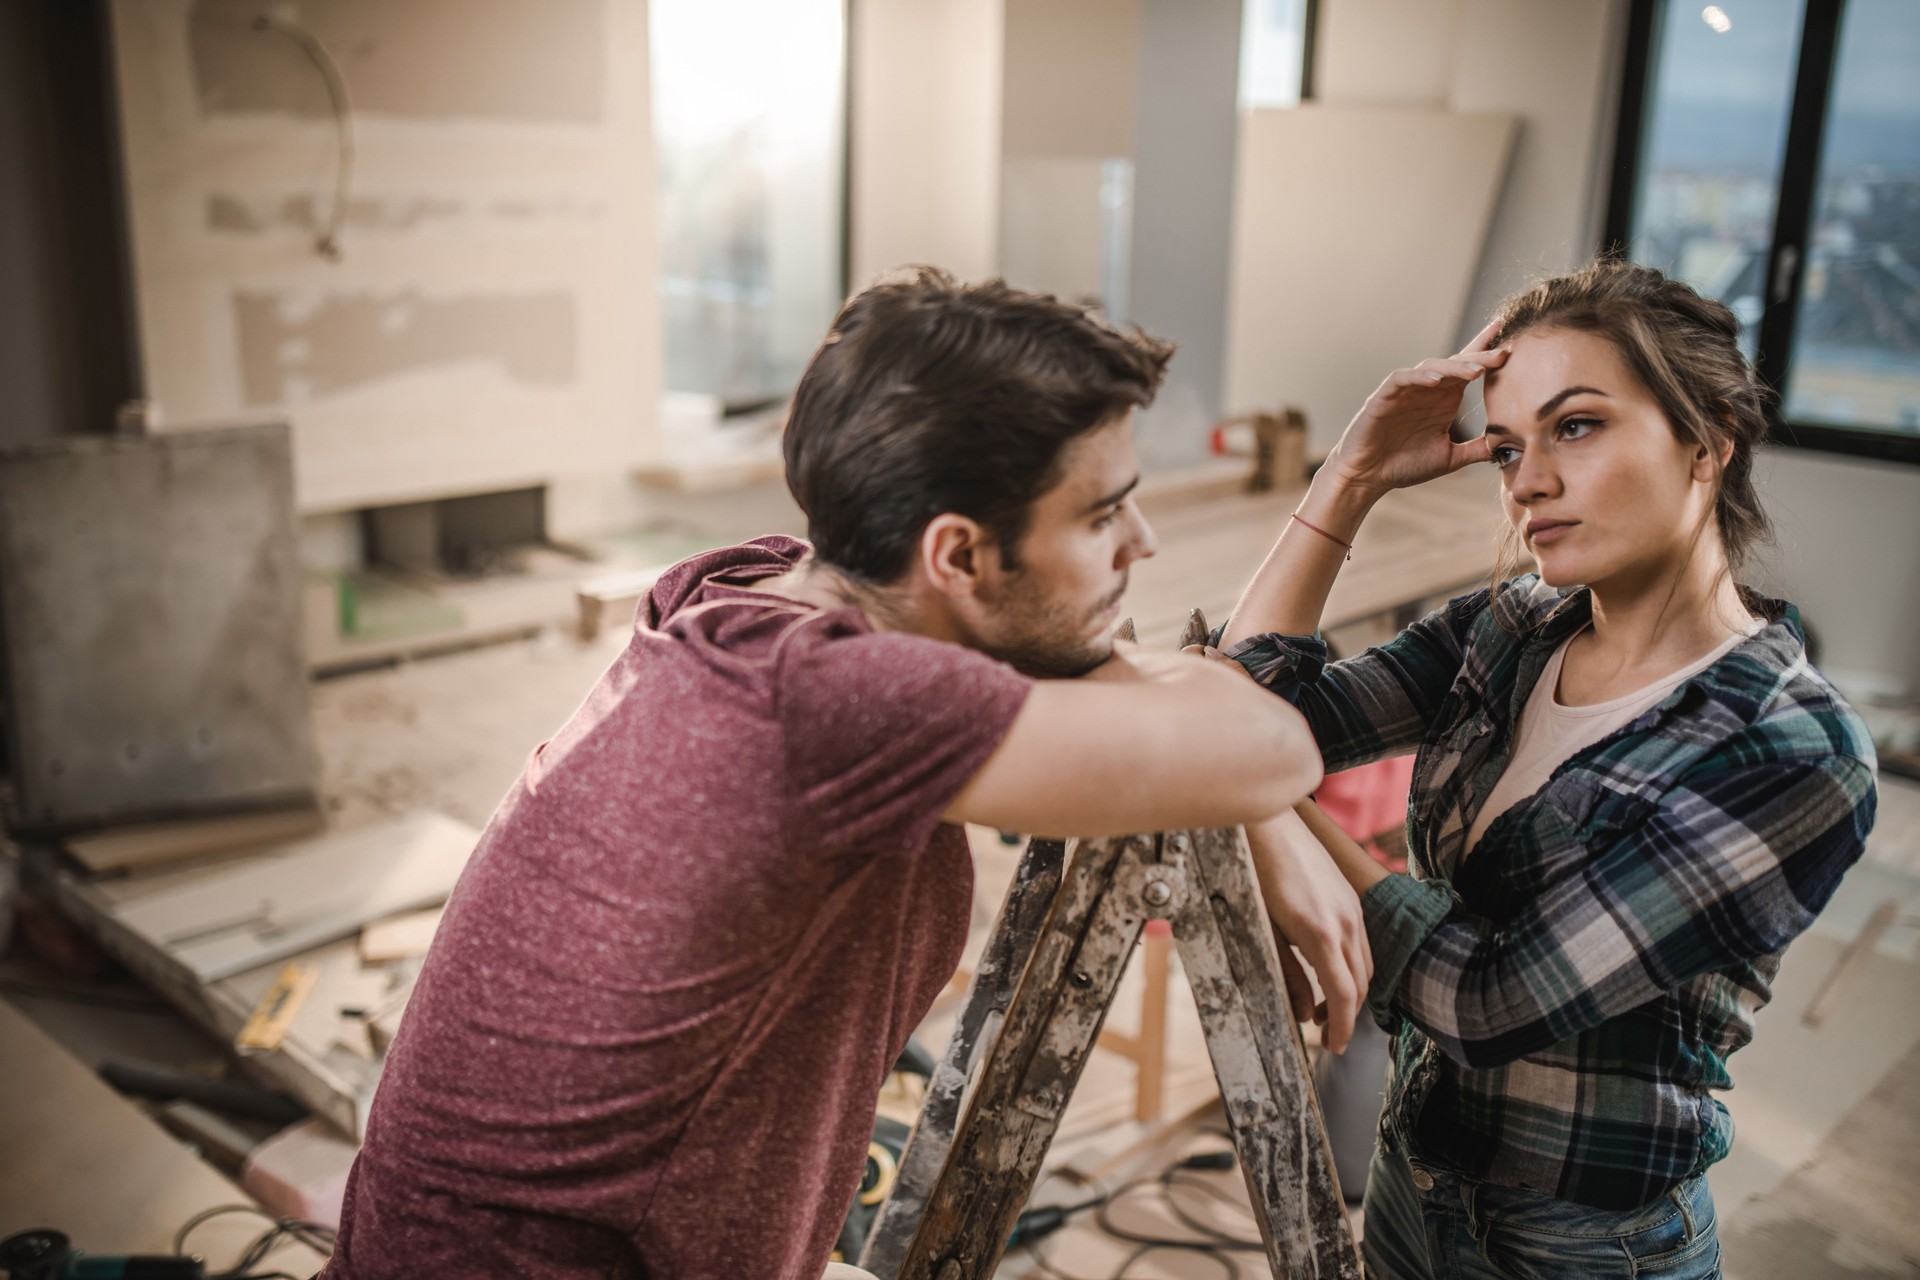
(932, 396)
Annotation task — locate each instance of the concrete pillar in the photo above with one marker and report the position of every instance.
(1185, 140)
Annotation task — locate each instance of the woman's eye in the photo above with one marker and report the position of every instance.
(1505, 457)
(1105, 520)
(1575, 428)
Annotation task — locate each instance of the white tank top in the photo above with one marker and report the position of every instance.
(1550, 734)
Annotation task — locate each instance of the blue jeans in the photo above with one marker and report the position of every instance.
(1427, 1224)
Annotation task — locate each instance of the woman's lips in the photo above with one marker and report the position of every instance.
(1543, 532)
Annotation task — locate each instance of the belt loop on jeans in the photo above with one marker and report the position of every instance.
(1470, 1199)
(1680, 1197)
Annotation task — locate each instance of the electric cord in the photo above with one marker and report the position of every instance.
(314, 1235)
(1226, 1239)
(328, 242)
(1208, 1241)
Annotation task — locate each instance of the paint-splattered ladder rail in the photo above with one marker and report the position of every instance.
(1033, 1012)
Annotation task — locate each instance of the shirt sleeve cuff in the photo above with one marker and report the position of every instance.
(1280, 662)
(1400, 913)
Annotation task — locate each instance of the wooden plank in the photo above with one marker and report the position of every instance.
(335, 1085)
(1436, 540)
(267, 1025)
(400, 937)
(313, 892)
(149, 844)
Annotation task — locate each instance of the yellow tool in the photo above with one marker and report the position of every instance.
(274, 1014)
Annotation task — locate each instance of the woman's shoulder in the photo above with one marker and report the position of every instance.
(1789, 706)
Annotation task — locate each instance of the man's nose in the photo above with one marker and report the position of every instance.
(1144, 542)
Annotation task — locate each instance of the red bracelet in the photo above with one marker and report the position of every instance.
(1323, 533)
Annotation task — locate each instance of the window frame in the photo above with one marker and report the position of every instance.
(1792, 219)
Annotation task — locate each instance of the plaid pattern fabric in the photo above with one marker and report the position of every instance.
(1566, 999)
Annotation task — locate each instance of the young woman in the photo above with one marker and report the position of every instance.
(1631, 790)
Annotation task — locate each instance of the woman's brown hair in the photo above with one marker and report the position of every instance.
(1685, 349)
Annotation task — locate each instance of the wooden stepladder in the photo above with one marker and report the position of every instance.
(1033, 1012)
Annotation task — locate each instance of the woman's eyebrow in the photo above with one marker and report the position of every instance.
(1554, 403)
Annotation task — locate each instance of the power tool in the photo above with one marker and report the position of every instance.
(48, 1255)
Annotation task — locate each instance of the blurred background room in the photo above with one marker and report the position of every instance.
(363, 361)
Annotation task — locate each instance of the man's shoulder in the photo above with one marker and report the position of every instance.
(688, 582)
(838, 648)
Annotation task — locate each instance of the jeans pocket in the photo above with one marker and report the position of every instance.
(1527, 1236)
(1517, 1253)
(1686, 1247)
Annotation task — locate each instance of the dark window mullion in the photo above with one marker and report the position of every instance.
(1629, 140)
(1799, 176)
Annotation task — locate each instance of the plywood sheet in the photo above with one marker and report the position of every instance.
(1357, 233)
(315, 891)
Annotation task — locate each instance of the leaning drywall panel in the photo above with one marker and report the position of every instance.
(1356, 235)
(153, 654)
(491, 321)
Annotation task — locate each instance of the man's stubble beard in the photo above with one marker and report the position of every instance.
(1041, 639)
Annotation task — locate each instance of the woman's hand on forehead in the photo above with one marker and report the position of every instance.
(1403, 434)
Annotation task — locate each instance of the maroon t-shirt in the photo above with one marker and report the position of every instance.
(689, 946)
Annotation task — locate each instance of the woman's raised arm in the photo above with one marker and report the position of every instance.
(1399, 438)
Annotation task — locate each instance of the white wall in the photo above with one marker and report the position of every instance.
(1067, 116)
(1557, 68)
(1848, 553)
(925, 136)
(492, 323)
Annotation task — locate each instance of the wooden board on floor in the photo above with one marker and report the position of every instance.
(317, 1062)
(153, 843)
(312, 892)
(400, 937)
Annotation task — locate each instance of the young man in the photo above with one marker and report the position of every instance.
(700, 928)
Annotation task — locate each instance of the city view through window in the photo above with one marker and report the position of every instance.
(1720, 95)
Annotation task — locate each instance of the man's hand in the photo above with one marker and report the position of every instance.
(1315, 909)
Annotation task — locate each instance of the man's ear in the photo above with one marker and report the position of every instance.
(955, 553)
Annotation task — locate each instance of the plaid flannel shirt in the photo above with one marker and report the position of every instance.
(1566, 999)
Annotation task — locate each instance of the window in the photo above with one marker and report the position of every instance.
(1276, 42)
(1770, 156)
(748, 99)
